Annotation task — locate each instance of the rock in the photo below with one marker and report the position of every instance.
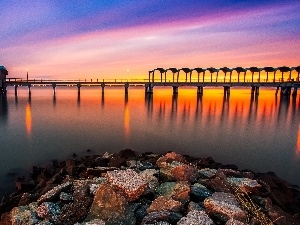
(194, 206)
(207, 173)
(169, 158)
(224, 206)
(148, 176)
(199, 192)
(53, 193)
(179, 191)
(70, 166)
(127, 181)
(23, 215)
(78, 209)
(93, 222)
(110, 206)
(49, 211)
(161, 217)
(281, 218)
(217, 184)
(66, 197)
(177, 171)
(165, 204)
(234, 222)
(26, 199)
(99, 171)
(245, 184)
(196, 217)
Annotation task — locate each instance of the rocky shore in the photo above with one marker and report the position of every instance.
(127, 188)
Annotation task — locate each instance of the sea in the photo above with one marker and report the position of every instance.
(260, 133)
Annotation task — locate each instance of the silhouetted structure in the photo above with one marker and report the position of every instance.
(3, 74)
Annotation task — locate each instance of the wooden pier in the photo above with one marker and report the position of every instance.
(283, 86)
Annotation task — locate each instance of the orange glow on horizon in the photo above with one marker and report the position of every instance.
(28, 118)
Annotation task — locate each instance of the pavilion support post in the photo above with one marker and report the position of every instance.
(175, 89)
(78, 86)
(277, 89)
(16, 89)
(294, 94)
(126, 86)
(256, 90)
(102, 87)
(200, 90)
(230, 76)
(252, 90)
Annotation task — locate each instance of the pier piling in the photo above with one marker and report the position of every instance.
(175, 89)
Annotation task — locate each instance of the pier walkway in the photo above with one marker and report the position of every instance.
(286, 83)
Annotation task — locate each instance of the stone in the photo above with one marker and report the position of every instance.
(179, 191)
(163, 203)
(281, 218)
(199, 192)
(217, 184)
(148, 176)
(196, 217)
(93, 222)
(66, 197)
(99, 171)
(224, 206)
(178, 171)
(245, 184)
(128, 182)
(53, 193)
(78, 209)
(194, 206)
(109, 205)
(234, 222)
(207, 173)
(23, 215)
(49, 211)
(161, 217)
(169, 158)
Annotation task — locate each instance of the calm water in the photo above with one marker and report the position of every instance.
(259, 134)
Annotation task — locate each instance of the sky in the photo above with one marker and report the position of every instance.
(112, 39)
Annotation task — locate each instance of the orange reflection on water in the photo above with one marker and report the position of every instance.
(28, 119)
(127, 121)
(298, 143)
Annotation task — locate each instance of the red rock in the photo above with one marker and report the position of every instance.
(169, 158)
(179, 191)
(163, 203)
(177, 171)
(128, 182)
(224, 206)
(108, 204)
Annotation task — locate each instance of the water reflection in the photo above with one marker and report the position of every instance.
(28, 118)
(4, 107)
(126, 119)
(298, 143)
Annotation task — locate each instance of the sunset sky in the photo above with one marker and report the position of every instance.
(125, 39)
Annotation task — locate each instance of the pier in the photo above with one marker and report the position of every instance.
(285, 82)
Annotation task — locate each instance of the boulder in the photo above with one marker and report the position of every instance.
(165, 204)
(207, 173)
(49, 211)
(161, 218)
(199, 192)
(78, 208)
(194, 206)
(23, 215)
(110, 206)
(148, 176)
(178, 171)
(169, 158)
(245, 184)
(128, 182)
(179, 191)
(196, 217)
(224, 206)
(53, 193)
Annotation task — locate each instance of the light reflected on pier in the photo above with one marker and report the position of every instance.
(28, 118)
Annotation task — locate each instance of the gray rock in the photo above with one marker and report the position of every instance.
(199, 192)
(207, 173)
(53, 193)
(49, 211)
(196, 217)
